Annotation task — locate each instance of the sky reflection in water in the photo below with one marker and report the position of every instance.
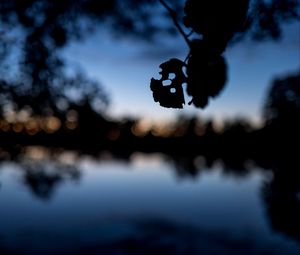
(136, 207)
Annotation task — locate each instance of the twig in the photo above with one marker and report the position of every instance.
(190, 33)
(173, 15)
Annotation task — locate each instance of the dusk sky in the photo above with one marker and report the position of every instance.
(77, 177)
(124, 67)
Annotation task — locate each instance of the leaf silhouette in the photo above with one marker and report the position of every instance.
(215, 22)
(206, 73)
(168, 90)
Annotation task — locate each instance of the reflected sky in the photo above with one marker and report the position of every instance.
(141, 200)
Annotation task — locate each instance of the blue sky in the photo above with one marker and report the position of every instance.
(124, 67)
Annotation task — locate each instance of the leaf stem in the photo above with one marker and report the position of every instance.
(173, 15)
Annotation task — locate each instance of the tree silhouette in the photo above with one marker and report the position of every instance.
(268, 17)
(216, 24)
(283, 101)
(281, 197)
(33, 32)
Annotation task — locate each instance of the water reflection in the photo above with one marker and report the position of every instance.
(149, 204)
(282, 198)
(43, 177)
(41, 172)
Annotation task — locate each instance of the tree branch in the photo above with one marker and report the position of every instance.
(173, 15)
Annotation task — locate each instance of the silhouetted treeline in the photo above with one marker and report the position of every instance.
(192, 145)
(44, 169)
(84, 129)
(42, 104)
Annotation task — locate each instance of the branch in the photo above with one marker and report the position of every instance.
(173, 15)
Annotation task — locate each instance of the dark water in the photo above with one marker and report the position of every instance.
(141, 206)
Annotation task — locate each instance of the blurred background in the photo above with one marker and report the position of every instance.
(90, 163)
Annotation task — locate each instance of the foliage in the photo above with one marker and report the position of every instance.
(217, 24)
(283, 101)
(33, 33)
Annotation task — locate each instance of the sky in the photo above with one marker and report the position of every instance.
(125, 67)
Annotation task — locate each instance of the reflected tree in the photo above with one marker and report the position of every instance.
(42, 178)
(282, 197)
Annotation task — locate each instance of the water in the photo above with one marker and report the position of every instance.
(146, 205)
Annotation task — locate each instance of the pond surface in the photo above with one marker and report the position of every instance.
(142, 206)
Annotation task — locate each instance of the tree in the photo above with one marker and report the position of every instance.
(33, 32)
(283, 101)
(217, 24)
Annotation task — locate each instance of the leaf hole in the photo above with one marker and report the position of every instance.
(184, 70)
(172, 76)
(167, 82)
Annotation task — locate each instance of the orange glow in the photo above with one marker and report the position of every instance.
(36, 152)
(32, 131)
(52, 124)
(199, 130)
(4, 126)
(4, 154)
(71, 125)
(138, 130)
(18, 127)
(32, 126)
(163, 130)
(180, 131)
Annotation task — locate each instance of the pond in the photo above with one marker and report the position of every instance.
(148, 204)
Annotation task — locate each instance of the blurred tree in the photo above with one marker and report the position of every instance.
(283, 101)
(267, 18)
(33, 32)
(281, 197)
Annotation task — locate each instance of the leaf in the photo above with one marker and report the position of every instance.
(168, 89)
(206, 74)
